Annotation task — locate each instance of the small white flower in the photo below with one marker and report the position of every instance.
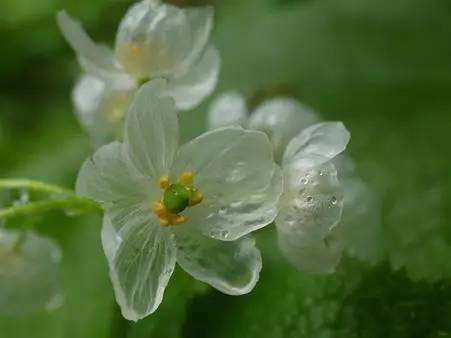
(312, 202)
(154, 40)
(28, 273)
(196, 204)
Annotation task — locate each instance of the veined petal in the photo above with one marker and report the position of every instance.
(96, 60)
(235, 171)
(141, 258)
(327, 139)
(312, 201)
(151, 131)
(156, 40)
(29, 278)
(105, 178)
(231, 267)
(229, 109)
(281, 119)
(190, 88)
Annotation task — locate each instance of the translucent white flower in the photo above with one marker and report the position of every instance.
(312, 202)
(28, 273)
(195, 204)
(154, 40)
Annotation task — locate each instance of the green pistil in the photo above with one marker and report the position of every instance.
(176, 198)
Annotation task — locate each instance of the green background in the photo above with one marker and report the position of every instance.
(383, 67)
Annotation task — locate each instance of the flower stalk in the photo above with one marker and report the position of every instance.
(61, 199)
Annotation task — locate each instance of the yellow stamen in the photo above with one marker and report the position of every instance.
(196, 199)
(158, 208)
(164, 182)
(164, 216)
(186, 178)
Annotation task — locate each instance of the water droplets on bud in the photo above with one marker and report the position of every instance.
(334, 200)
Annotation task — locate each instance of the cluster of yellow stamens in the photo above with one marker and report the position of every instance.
(176, 198)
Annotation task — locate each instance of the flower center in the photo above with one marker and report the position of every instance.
(176, 198)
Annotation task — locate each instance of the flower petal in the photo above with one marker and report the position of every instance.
(156, 40)
(87, 98)
(105, 178)
(29, 278)
(190, 88)
(235, 171)
(312, 256)
(91, 100)
(151, 131)
(231, 267)
(228, 109)
(313, 199)
(310, 210)
(95, 59)
(281, 119)
(359, 230)
(326, 139)
(141, 258)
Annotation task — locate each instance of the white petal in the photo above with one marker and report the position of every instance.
(96, 60)
(281, 119)
(310, 210)
(191, 88)
(313, 199)
(359, 230)
(161, 40)
(231, 267)
(87, 97)
(229, 109)
(312, 256)
(28, 276)
(106, 178)
(141, 258)
(326, 139)
(151, 131)
(236, 173)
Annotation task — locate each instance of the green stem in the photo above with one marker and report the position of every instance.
(33, 186)
(67, 199)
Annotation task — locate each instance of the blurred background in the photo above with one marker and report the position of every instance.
(383, 67)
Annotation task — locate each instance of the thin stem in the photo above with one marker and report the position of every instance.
(67, 199)
(33, 186)
(71, 203)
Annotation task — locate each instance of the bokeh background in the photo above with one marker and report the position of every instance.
(383, 67)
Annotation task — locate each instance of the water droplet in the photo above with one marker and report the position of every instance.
(309, 198)
(304, 180)
(222, 211)
(291, 223)
(334, 200)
